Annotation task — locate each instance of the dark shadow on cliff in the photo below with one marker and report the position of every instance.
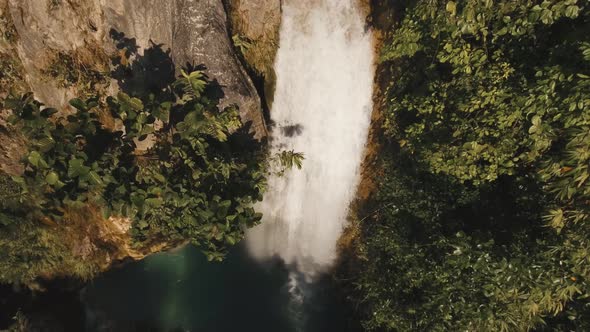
(141, 74)
(152, 72)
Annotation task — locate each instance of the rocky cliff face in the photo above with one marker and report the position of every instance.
(61, 49)
(42, 36)
(255, 26)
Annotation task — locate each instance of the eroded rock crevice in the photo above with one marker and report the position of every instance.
(255, 25)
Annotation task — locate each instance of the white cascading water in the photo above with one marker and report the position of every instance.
(322, 108)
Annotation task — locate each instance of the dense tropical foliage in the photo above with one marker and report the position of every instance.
(481, 222)
(196, 181)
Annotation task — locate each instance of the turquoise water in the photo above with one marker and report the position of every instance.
(181, 291)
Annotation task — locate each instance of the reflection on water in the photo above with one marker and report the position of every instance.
(181, 291)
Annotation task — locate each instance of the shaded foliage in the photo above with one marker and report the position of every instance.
(483, 219)
(162, 154)
(191, 184)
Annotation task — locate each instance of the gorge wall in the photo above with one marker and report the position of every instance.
(61, 49)
(195, 31)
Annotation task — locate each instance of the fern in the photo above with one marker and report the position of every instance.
(192, 84)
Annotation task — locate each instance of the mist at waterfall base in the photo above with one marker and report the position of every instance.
(276, 281)
(181, 291)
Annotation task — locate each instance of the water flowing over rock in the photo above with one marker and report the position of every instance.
(324, 90)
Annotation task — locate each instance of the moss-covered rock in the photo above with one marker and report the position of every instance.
(255, 28)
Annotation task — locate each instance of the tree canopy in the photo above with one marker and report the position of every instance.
(483, 219)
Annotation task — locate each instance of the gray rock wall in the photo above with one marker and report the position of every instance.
(194, 30)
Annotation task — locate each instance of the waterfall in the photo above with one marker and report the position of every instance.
(322, 108)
